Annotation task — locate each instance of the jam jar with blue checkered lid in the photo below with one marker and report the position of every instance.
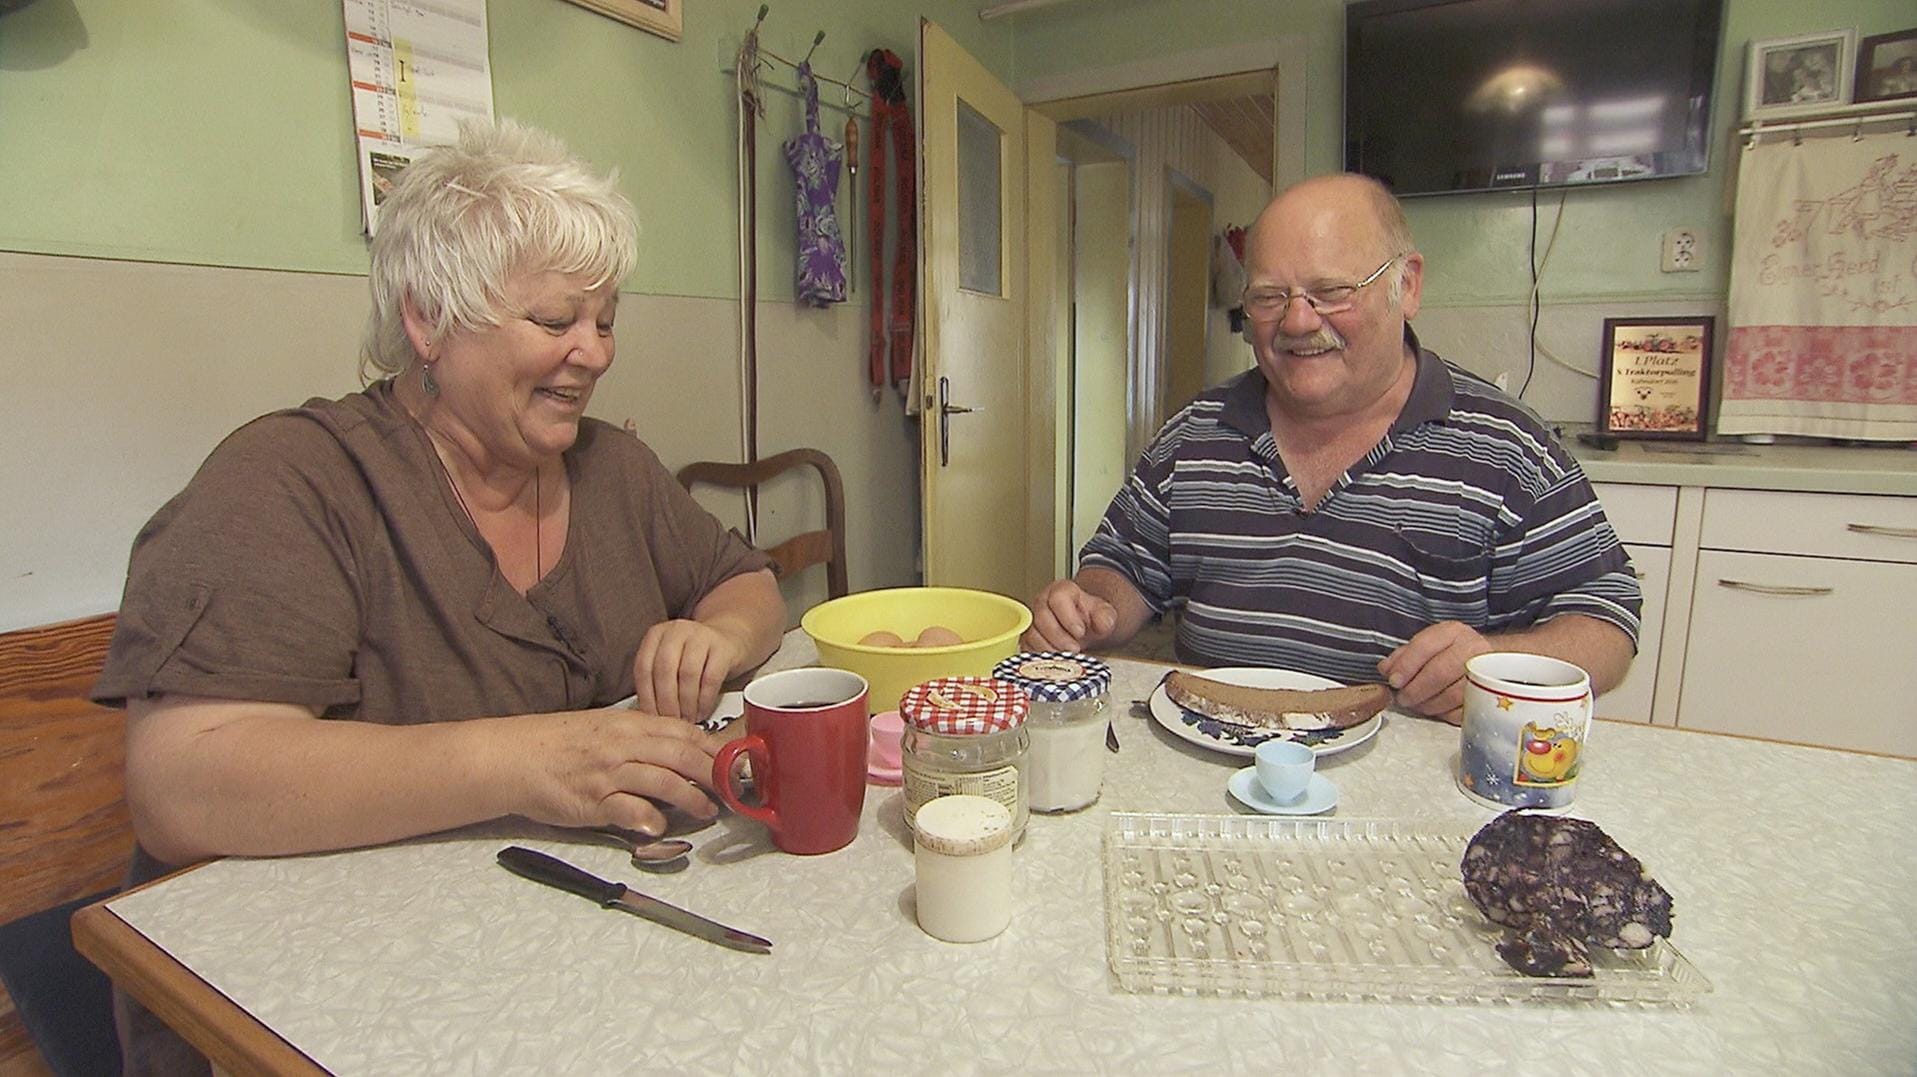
(965, 735)
(1067, 725)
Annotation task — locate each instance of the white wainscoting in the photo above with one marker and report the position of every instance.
(121, 376)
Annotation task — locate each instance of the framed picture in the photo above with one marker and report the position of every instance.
(1795, 76)
(1887, 66)
(1656, 381)
(663, 17)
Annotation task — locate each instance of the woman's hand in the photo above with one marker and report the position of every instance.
(613, 767)
(680, 668)
(216, 777)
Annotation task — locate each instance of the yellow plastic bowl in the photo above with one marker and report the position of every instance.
(990, 625)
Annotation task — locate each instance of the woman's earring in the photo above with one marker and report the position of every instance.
(426, 381)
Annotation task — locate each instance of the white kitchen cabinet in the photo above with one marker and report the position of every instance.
(1631, 699)
(1811, 649)
(1642, 515)
(1802, 611)
(1644, 518)
(1852, 526)
(1789, 589)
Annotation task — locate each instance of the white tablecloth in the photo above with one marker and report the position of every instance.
(1793, 871)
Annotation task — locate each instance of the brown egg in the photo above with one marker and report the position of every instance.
(938, 636)
(881, 638)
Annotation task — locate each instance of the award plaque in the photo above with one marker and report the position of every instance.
(1656, 381)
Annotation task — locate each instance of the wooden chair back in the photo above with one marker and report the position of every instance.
(64, 829)
(822, 547)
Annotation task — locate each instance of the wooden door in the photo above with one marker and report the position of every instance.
(978, 466)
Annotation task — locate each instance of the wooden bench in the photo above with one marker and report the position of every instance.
(64, 831)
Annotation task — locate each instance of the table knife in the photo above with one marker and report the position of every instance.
(541, 868)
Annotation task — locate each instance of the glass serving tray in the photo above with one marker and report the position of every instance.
(1328, 908)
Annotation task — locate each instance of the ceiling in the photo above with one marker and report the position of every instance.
(1246, 124)
(1240, 109)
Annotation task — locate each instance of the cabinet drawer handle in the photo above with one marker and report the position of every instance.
(1638, 572)
(1879, 529)
(1776, 589)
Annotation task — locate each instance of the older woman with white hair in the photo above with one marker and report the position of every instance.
(408, 609)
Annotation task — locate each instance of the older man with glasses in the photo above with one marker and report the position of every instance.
(1354, 506)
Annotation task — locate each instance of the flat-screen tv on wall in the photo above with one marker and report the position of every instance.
(1477, 95)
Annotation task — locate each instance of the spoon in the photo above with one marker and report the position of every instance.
(658, 852)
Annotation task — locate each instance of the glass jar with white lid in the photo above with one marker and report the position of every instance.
(1067, 724)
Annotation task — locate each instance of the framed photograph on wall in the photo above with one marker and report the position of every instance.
(663, 17)
(1796, 76)
(1887, 67)
(1656, 381)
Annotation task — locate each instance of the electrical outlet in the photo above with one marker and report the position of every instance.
(1683, 253)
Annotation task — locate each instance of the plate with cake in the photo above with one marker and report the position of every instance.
(1237, 708)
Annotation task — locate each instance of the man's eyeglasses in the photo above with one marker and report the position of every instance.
(1329, 299)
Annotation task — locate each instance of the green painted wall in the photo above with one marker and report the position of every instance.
(1476, 244)
(219, 131)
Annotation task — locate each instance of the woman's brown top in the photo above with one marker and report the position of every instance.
(319, 557)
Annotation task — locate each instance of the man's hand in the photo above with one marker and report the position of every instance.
(1427, 673)
(1066, 617)
(680, 667)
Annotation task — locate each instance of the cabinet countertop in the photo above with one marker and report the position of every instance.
(1810, 468)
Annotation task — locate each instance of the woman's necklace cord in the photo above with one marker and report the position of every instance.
(539, 553)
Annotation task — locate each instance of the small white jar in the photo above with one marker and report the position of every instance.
(1067, 725)
(962, 853)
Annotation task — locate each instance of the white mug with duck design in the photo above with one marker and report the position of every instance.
(1527, 720)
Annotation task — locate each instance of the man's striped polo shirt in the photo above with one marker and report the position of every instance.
(1468, 510)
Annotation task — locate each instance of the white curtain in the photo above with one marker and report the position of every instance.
(1823, 303)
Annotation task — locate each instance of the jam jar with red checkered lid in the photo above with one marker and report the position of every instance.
(966, 735)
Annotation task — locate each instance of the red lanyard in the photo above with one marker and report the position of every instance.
(891, 116)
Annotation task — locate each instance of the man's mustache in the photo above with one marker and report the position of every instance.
(1324, 338)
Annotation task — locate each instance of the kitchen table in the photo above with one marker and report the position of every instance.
(1792, 869)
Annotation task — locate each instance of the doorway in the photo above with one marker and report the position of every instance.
(1040, 420)
(1151, 181)
(1098, 300)
(1187, 292)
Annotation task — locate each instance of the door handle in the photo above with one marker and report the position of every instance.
(1879, 529)
(1777, 589)
(947, 409)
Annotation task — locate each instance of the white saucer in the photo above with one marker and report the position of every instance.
(1320, 795)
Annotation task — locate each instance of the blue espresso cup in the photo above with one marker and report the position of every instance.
(1284, 769)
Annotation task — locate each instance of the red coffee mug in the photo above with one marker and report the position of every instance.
(806, 737)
